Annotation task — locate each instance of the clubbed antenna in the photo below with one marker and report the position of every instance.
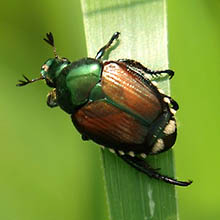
(28, 81)
(50, 40)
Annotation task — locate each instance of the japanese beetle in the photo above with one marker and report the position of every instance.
(114, 103)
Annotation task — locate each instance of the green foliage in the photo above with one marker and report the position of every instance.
(130, 194)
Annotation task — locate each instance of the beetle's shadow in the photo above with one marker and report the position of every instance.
(107, 53)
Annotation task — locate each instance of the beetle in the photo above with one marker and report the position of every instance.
(116, 104)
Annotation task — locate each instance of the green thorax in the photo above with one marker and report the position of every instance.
(75, 82)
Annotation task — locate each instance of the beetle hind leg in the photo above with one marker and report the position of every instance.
(134, 65)
(144, 167)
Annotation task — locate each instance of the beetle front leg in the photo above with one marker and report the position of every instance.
(101, 52)
(52, 99)
(144, 167)
(144, 70)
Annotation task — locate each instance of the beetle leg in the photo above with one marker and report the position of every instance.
(144, 167)
(144, 70)
(52, 99)
(174, 104)
(101, 52)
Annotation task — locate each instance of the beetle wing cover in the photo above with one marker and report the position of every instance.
(108, 125)
(125, 88)
(123, 117)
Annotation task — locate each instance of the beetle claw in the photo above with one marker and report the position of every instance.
(144, 167)
(170, 73)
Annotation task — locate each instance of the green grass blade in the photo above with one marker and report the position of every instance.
(132, 195)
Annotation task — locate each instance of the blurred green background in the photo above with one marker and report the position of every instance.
(47, 172)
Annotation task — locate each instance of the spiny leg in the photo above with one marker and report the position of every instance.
(139, 67)
(142, 166)
(101, 52)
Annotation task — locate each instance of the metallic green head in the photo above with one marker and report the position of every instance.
(52, 68)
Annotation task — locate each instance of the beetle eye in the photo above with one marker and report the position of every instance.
(45, 67)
